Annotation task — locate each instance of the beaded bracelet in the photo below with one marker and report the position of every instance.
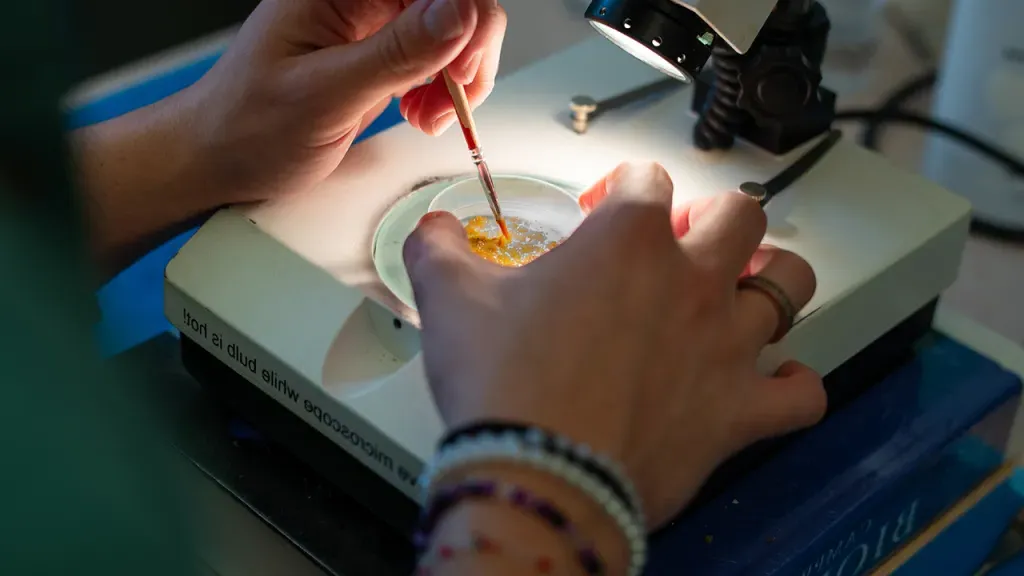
(478, 545)
(510, 447)
(601, 467)
(545, 510)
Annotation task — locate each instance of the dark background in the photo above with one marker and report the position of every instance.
(112, 33)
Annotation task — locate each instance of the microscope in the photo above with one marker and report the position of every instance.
(765, 82)
(299, 315)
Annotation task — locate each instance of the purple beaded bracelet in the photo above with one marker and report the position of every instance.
(447, 498)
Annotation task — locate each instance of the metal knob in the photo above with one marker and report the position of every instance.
(756, 191)
(582, 107)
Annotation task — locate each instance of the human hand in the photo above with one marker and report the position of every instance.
(631, 337)
(303, 78)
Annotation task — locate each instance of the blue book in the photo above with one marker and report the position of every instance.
(838, 500)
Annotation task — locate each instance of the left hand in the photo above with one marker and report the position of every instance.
(668, 366)
(303, 78)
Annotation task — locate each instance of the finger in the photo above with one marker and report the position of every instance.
(684, 215)
(423, 39)
(485, 46)
(434, 253)
(434, 112)
(646, 182)
(593, 196)
(726, 234)
(409, 105)
(757, 314)
(404, 98)
(793, 399)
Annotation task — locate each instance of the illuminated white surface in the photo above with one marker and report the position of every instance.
(292, 277)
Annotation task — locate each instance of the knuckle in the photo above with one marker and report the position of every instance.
(499, 18)
(637, 234)
(745, 209)
(395, 53)
(704, 290)
(645, 225)
(710, 299)
(660, 176)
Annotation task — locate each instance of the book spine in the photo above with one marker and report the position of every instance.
(856, 547)
(287, 387)
(897, 514)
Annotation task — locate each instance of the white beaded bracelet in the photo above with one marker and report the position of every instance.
(514, 447)
(582, 452)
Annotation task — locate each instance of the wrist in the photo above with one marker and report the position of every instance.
(198, 166)
(144, 175)
(531, 535)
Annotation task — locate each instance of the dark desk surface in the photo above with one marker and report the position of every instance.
(334, 530)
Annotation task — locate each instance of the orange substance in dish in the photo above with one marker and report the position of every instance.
(525, 243)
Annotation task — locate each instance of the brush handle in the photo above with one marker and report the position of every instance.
(464, 112)
(461, 101)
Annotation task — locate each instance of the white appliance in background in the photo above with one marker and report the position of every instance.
(981, 90)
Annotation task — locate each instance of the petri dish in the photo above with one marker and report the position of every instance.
(539, 215)
(463, 195)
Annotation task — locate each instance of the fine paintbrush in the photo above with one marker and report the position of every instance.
(465, 115)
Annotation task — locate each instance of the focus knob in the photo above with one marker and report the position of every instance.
(778, 84)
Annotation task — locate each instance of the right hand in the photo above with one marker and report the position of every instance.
(630, 337)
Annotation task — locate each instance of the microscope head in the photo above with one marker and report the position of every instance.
(676, 36)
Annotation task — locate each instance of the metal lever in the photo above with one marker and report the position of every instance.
(585, 109)
(764, 192)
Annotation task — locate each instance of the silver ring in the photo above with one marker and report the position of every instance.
(783, 305)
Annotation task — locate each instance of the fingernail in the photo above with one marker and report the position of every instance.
(584, 202)
(443, 123)
(471, 66)
(444, 20)
(430, 216)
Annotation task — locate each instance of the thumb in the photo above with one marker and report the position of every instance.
(423, 39)
(435, 254)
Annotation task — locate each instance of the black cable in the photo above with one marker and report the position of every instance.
(914, 40)
(801, 166)
(998, 232)
(890, 113)
(898, 116)
(874, 126)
